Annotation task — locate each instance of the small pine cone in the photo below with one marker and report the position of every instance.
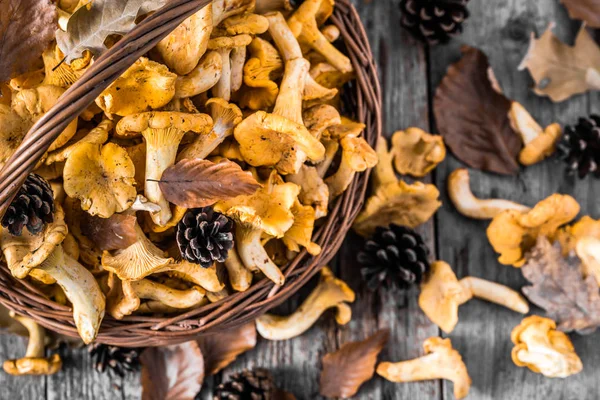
(394, 256)
(256, 384)
(119, 360)
(434, 21)
(579, 147)
(32, 207)
(204, 236)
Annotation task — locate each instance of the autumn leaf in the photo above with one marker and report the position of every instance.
(352, 365)
(89, 26)
(26, 29)
(558, 286)
(559, 70)
(195, 182)
(172, 372)
(113, 233)
(585, 10)
(222, 349)
(472, 116)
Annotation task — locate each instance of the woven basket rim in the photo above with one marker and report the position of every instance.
(239, 307)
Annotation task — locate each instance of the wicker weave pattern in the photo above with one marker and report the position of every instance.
(133, 331)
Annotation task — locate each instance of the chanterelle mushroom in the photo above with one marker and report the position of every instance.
(225, 117)
(145, 86)
(260, 71)
(588, 251)
(162, 132)
(393, 200)
(300, 233)
(224, 46)
(442, 293)
(569, 235)
(203, 77)
(538, 143)
(60, 73)
(34, 362)
(511, 233)
(543, 349)
(81, 289)
(440, 361)
(304, 23)
(417, 152)
(330, 292)
(313, 190)
(102, 177)
(98, 135)
(467, 204)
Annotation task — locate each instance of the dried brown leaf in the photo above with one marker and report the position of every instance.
(585, 10)
(195, 182)
(172, 372)
(558, 286)
(222, 349)
(113, 233)
(473, 117)
(352, 365)
(26, 29)
(559, 70)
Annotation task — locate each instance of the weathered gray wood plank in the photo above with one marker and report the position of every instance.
(483, 333)
(18, 387)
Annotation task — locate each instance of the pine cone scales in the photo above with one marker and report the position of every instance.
(394, 256)
(32, 207)
(119, 360)
(247, 385)
(434, 21)
(580, 146)
(204, 236)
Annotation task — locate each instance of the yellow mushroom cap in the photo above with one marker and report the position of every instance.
(542, 146)
(417, 152)
(138, 123)
(33, 365)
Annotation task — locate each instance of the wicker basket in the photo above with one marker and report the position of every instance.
(365, 101)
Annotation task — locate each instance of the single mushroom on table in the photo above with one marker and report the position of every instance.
(226, 47)
(225, 117)
(203, 77)
(467, 204)
(538, 143)
(543, 349)
(395, 201)
(440, 361)
(330, 292)
(162, 132)
(417, 152)
(305, 22)
(34, 362)
(511, 233)
(267, 211)
(145, 86)
(442, 293)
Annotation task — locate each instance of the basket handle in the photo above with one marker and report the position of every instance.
(107, 68)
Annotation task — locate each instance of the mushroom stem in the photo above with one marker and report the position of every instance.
(330, 292)
(289, 100)
(238, 58)
(37, 334)
(418, 369)
(283, 37)
(495, 293)
(240, 277)
(81, 289)
(331, 148)
(254, 255)
(206, 75)
(383, 173)
(206, 278)
(523, 123)
(222, 89)
(147, 289)
(468, 205)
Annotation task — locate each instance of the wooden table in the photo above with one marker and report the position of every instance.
(409, 75)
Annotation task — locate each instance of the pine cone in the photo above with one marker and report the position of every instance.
(580, 146)
(434, 21)
(204, 236)
(394, 256)
(256, 384)
(32, 207)
(119, 360)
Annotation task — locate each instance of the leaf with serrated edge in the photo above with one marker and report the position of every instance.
(172, 372)
(113, 233)
(222, 349)
(559, 70)
(352, 365)
(195, 183)
(472, 116)
(26, 29)
(585, 10)
(89, 26)
(558, 286)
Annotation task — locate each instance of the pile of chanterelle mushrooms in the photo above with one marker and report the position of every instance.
(253, 82)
